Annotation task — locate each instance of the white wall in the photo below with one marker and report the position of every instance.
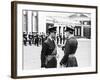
(5, 41)
(42, 22)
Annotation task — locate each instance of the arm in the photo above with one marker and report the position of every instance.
(70, 48)
(43, 54)
(67, 51)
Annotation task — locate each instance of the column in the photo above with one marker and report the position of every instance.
(25, 26)
(34, 17)
(29, 21)
(57, 29)
(82, 29)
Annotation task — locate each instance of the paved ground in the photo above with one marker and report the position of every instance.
(31, 55)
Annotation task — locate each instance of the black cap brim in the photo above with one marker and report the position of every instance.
(69, 29)
(52, 29)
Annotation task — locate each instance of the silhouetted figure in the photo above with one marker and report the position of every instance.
(63, 39)
(60, 38)
(25, 38)
(30, 38)
(37, 40)
(57, 38)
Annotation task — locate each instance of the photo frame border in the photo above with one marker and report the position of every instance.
(14, 38)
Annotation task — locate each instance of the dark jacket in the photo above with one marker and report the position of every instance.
(69, 48)
(47, 49)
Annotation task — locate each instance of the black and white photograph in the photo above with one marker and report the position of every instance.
(54, 39)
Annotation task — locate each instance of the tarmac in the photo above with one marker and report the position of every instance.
(31, 55)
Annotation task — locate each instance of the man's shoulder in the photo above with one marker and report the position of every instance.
(47, 41)
(73, 40)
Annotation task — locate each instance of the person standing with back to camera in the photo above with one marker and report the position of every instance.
(49, 50)
(70, 47)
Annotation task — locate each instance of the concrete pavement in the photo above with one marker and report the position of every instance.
(31, 55)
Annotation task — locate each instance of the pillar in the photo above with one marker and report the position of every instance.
(34, 17)
(24, 22)
(82, 30)
(29, 21)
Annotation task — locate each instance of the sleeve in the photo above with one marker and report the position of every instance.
(73, 45)
(67, 51)
(43, 54)
(64, 59)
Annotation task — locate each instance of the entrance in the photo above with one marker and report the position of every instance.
(77, 31)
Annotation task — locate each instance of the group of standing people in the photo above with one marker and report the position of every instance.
(49, 50)
(33, 39)
(36, 39)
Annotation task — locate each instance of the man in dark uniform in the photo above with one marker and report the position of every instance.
(25, 38)
(60, 38)
(57, 39)
(37, 39)
(63, 38)
(30, 38)
(49, 50)
(70, 47)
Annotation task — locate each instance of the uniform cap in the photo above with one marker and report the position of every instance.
(69, 28)
(52, 29)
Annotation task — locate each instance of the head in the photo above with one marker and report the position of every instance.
(67, 34)
(52, 32)
(69, 31)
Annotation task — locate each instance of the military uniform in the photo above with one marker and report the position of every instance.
(49, 50)
(69, 60)
(25, 38)
(30, 39)
(48, 54)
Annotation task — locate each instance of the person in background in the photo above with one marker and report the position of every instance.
(63, 38)
(57, 39)
(33, 38)
(49, 50)
(37, 39)
(70, 47)
(25, 38)
(60, 36)
(30, 37)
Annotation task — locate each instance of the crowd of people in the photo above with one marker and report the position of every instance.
(38, 39)
(33, 38)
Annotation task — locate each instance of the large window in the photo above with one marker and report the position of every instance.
(77, 31)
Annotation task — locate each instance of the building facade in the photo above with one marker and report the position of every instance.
(38, 22)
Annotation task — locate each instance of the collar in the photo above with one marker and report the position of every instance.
(50, 38)
(70, 36)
